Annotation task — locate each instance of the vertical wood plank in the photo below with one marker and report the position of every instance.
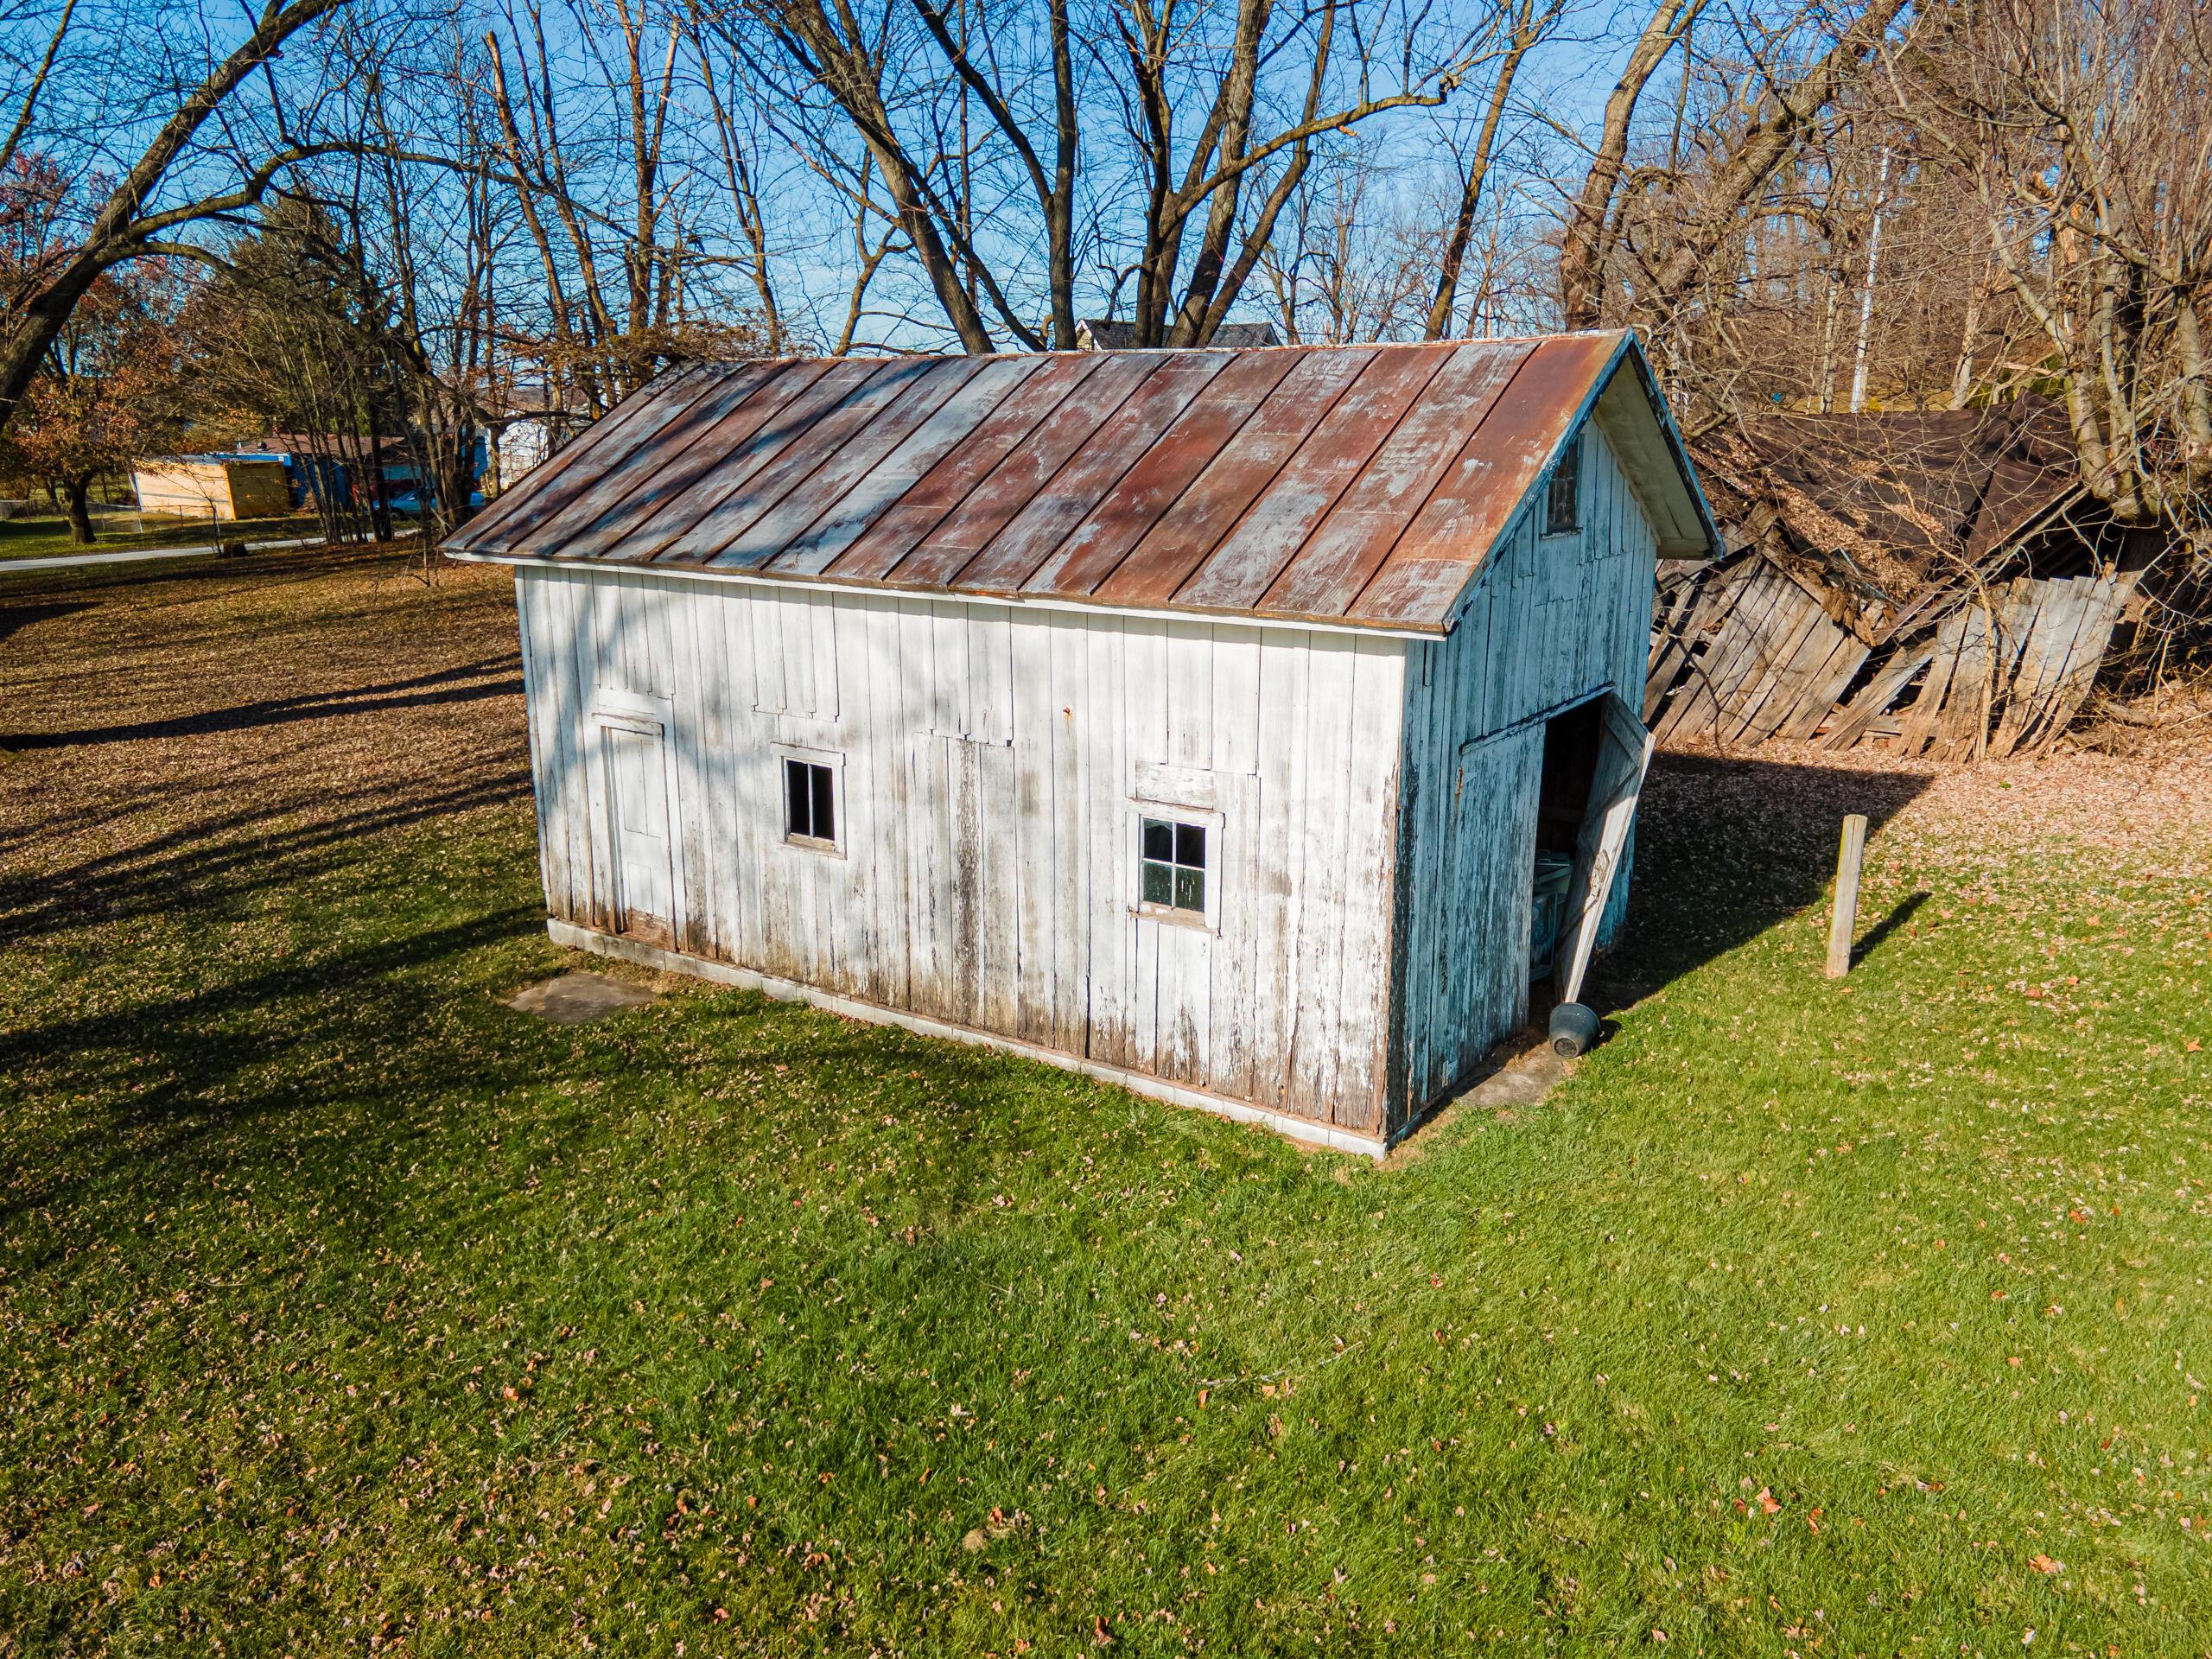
(1844, 920)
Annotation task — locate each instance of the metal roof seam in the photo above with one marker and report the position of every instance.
(1220, 457)
(881, 382)
(1413, 411)
(982, 481)
(619, 511)
(1337, 495)
(884, 508)
(858, 440)
(606, 433)
(1170, 504)
(1496, 402)
(770, 400)
(794, 418)
(1363, 486)
(1074, 456)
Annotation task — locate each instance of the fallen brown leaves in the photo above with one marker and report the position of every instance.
(164, 723)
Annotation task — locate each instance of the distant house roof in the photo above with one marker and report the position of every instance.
(1889, 507)
(1100, 334)
(1354, 486)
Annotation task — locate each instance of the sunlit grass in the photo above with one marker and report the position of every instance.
(46, 536)
(342, 1309)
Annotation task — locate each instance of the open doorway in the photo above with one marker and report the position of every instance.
(1571, 741)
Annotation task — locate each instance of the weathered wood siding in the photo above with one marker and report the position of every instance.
(991, 760)
(1552, 622)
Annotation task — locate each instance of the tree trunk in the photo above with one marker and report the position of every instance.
(1581, 254)
(76, 493)
(122, 228)
(1764, 146)
(1527, 29)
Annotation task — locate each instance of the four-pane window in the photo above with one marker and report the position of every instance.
(1174, 865)
(810, 801)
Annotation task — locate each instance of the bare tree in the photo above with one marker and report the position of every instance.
(974, 118)
(1588, 240)
(1782, 108)
(1523, 25)
(2084, 134)
(603, 203)
(132, 222)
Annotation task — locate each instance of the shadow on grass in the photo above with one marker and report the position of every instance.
(207, 1061)
(15, 617)
(1902, 913)
(213, 860)
(1727, 848)
(421, 692)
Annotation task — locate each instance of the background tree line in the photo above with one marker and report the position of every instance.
(391, 220)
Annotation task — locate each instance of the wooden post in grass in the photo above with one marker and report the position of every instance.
(1846, 920)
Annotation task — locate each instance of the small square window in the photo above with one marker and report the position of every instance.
(810, 801)
(1562, 501)
(1174, 859)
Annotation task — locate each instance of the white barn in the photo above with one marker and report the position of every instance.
(1196, 719)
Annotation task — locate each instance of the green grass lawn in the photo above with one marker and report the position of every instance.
(342, 1310)
(48, 536)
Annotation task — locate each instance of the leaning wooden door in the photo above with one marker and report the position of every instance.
(1482, 964)
(637, 830)
(1616, 786)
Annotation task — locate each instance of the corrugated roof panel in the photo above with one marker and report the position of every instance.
(1363, 484)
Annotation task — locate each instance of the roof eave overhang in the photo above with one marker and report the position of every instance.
(749, 577)
(1629, 354)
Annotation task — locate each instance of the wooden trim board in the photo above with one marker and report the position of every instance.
(931, 596)
(677, 962)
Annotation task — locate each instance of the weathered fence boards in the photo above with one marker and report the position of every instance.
(1746, 659)
(1743, 652)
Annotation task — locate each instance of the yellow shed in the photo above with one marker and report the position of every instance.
(205, 487)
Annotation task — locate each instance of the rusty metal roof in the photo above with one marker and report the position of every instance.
(1358, 486)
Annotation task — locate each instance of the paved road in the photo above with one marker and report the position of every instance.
(74, 561)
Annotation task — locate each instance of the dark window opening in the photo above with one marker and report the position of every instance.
(1175, 865)
(810, 801)
(1562, 502)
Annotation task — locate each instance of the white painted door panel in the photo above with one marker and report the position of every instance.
(636, 790)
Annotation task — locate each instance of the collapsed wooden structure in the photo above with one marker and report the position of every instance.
(1924, 583)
